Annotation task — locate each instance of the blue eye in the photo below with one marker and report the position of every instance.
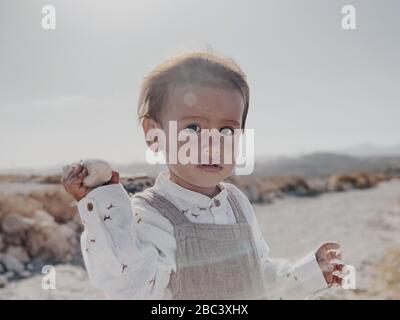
(193, 127)
(226, 131)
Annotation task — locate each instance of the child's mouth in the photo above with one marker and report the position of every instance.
(210, 167)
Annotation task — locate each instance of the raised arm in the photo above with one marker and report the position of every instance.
(118, 261)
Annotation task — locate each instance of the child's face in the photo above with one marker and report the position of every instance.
(196, 108)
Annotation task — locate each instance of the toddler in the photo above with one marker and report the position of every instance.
(191, 235)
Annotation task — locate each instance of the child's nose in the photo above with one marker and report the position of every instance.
(211, 148)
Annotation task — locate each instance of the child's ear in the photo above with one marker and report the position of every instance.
(149, 124)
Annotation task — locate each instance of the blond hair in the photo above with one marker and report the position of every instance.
(198, 68)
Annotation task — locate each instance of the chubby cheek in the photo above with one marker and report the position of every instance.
(229, 152)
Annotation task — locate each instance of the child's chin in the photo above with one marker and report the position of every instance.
(208, 177)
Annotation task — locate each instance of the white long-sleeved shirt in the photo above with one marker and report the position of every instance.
(129, 248)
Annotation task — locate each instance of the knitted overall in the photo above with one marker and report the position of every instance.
(213, 261)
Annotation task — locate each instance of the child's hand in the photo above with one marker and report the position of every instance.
(73, 182)
(324, 255)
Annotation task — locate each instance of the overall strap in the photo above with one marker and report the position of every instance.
(175, 215)
(236, 207)
(163, 205)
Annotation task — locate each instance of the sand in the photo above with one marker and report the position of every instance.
(365, 222)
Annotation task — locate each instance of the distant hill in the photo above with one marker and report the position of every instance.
(323, 163)
(371, 150)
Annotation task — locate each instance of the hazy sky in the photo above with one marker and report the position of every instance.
(71, 93)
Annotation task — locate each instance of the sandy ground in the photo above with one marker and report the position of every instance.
(365, 222)
(71, 283)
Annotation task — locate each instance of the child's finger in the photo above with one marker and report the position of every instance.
(326, 247)
(80, 176)
(326, 266)
(78, 179)
(332, 255)
(336, 279)
(76, 170)
(338, 267)
(114, 177)
(331, 246)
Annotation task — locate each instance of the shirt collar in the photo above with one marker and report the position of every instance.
(188, 197)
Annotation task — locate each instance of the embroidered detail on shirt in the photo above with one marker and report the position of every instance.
(110, 206)
(196, 211)
(152, 281)
(107, 218)
(139, 220)
(289, 274)
(124, 266)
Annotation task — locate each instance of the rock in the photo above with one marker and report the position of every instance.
(42, 217)
(49, 240)
(22, 204)
(301, 191)
(2, 244)
(318, 185)
(99, 172)
(294, 186)
(267, 197)
(19, 253)
(29, 267)
(251, 192)
(15, 223)
(25, 274)
(267, 188)
(355, 180)
(56, 202)
(53, 179)
(137, 184)
(75, 225)
(342, 182)
(36, 264)
(11, 263)
(3, 281)
(9, 275)
(13, 239)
